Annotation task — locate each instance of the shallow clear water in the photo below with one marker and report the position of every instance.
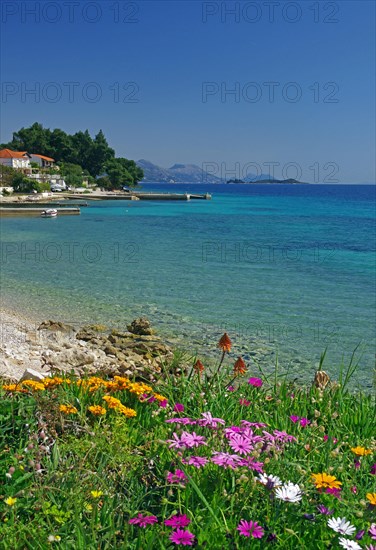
(287, 270)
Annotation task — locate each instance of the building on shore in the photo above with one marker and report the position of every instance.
(18, 160)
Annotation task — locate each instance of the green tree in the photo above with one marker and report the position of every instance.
(72, 174)
(93, 155)
(104, 182)
(99, 154)
(35, 139)
(22, 184)
(61, 147)
(117, 172)
(6, 175)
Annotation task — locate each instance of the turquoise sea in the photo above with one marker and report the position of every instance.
(285, 270)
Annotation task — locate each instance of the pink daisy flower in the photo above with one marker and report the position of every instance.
(226, 460)
(196, 461)
(183, 421)
(250, 529)
(180, 536)
(240, 444)
(255, 382)
(192, 440)
(177, 520)
(209, 421)
(178, 477)
(176, 442)
(250, 463)
(143, 521)
(178, 407)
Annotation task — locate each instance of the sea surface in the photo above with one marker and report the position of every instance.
(287, 271)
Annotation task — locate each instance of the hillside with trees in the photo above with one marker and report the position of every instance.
(78, 155)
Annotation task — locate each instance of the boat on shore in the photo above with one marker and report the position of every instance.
(49, 213)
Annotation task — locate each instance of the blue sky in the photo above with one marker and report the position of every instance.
(156, 78)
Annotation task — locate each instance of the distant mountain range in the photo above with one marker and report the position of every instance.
(191, 173)
(178, 173)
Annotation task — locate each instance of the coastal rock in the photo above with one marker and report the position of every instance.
(90, 332)
(55, 326)
(93, 350)
(31, 374)
(141, 326)
(69, 359)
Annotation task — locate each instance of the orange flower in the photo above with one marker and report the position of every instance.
(198, 367)
(225, 343)
(239, 367)
(68, 409)
(97, 410)
(372, 498)
(325, 480)
(361, 451)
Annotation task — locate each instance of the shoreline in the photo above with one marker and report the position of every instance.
(79, 348)
(33, 349)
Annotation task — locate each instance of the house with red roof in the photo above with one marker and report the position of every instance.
(20, 160)
(42, 161)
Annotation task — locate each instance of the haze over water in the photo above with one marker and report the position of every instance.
(287, 270)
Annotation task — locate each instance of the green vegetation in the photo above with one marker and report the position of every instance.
(194, 459)
(9, 177)
(78, 152)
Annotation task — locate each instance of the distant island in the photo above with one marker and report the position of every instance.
(269, 180)
(178, 173)
(191, 173)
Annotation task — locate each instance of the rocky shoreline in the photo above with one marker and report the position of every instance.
(55, 347)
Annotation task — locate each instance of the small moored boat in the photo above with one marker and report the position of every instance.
(49, 213)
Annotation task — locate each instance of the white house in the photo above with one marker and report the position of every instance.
(15, 159)
(41, 160)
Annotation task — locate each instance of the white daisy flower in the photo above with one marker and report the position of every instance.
(289, 492)
(349, 544)
(273, 481)
(340, 525)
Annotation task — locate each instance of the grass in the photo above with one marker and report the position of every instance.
(76, 478)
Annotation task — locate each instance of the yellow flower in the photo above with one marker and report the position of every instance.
(10, 501)
(129, 413)
(97, 410)
(88, 507)
(68, 409)
(96, 494)
(112, 402)
(52, 382)
(372, 498)
(361, 451)
(11, 387)
(139, 388)
(325, 480)
(159, 397)
(33, 385)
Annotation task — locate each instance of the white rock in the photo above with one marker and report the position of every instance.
(31, 374)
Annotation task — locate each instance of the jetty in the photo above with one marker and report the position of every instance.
(44, 204)
(138, 195)
(35, 212)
